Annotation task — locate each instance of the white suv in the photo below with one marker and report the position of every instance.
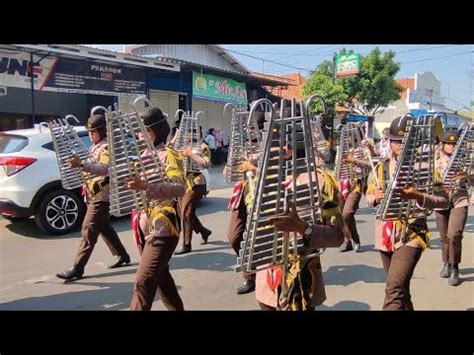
(30, 184)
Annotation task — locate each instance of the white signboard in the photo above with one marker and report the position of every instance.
(16, 69)
(424, 97)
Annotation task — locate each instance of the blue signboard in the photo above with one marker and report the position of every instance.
(357, 118)
(95, 78)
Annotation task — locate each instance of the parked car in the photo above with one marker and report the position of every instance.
(30, 183)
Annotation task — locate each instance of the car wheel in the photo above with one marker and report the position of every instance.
(60, 211)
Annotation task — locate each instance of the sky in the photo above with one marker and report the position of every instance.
(451, 64)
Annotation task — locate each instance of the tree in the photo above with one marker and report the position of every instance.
(374, 86)
(321, 82)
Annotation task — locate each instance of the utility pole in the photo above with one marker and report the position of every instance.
(431, 98)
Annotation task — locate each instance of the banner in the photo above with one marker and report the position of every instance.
(68, 75)
(17, 69)
(90, 77)
(217, 88)
(347, 64)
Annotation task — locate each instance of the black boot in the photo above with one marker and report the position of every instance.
(120, 260)
(185, 249)
(247, 286)
(73, 273)
(346, 246)
(454, 277)
(446, 271)
(205, 236)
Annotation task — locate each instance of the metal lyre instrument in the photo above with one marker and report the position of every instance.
(316, 121)
(189, 136)
(461, 158)
(132, 154)
(67, 143)
(352, 135)
(263, 246)
(237, 152)
(414, 167)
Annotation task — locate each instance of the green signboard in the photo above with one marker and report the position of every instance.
(212, 87)
(347, 64)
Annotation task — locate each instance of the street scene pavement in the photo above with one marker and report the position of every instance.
(205, 278)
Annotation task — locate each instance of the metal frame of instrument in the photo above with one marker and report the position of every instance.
(189, 136)
(263, 246)
(316, 121)
(461, 159)
(414, 167)
(66, 143)
(237, 143)
(128, 139)
(352, 135)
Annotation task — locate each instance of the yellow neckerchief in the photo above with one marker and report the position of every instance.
(332, 215)
(104, 158)
(384, 171)
(331, 205)
(165, 211)
(193, 178)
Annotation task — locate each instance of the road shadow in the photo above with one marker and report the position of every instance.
(435, 244)
(367, 247)
(211, 205)
(466, 279)
(29, 229)
(348, 274)
(366, 211)
(469, 227)
(466, 271)
(108, 296)
(345, 306)
(213, 261)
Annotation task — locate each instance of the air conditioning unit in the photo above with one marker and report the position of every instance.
(3, 91)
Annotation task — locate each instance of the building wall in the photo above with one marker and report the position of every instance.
(196, 53)
(383, 119)
(19, 100)
(427, 81)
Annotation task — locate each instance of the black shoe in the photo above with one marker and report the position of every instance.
(454, 277)
(119, 261)
(205, 236)
(446, 271)
(346, 246)
(185, 249)
(247, 287)
(72, 273)
(355, 246)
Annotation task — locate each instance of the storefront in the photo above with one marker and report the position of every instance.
(49, 83)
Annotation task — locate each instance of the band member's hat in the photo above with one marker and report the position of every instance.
(152, 117)
(96, 121)
(450, 136)
(397, 128)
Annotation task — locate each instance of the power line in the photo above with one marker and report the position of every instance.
(293, 63)
(435, 58)
(458, 102)
(427, 48)
(270, 61)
